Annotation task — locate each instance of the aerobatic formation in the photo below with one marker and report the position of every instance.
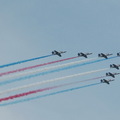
(20, 74)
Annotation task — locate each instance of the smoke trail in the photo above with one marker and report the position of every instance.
(35, 66)
(50, 94)
(38, 74)
(31, 67)
(52, 80)
(44, 89)
(23, 61)
(52, 71)
(43, 69)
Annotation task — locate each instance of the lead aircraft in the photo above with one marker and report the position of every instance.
(58, 53)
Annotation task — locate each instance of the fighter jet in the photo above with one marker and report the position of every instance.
(104, 55)
(118, 54)
(58, 53)
(112, 74)
(106, 81)
(84, 54)
(115, 66)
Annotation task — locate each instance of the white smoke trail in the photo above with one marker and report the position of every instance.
(43, 69)
(48, 81)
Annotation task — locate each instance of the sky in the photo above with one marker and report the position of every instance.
(32, 28)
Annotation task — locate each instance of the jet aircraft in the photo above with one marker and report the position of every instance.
(112, 74)
(115, 66)
(84, 54)
(106, 81)
(104, 55)
(58, 53)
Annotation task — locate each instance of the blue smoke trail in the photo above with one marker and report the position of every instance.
(52, 71)
(46, 95)
(23, 61)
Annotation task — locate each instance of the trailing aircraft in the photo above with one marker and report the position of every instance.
(104, 55)
(58, 53)
(112, 74)
(106, 81)
(115, 66)
(84, 54)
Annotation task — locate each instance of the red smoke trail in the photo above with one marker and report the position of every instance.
(44, 89)
(26, 93)
(35, 66)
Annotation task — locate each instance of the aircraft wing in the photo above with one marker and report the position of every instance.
(105, 56)
(59, 54)
(85, 55)
(107, 82)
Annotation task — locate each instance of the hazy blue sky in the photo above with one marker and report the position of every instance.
(31, 28)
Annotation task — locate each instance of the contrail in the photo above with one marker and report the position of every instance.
(35, 66)
(44, 89)
(43, 69)
(48, 81)
(50, 94)
(23, 61)
(52, 71)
